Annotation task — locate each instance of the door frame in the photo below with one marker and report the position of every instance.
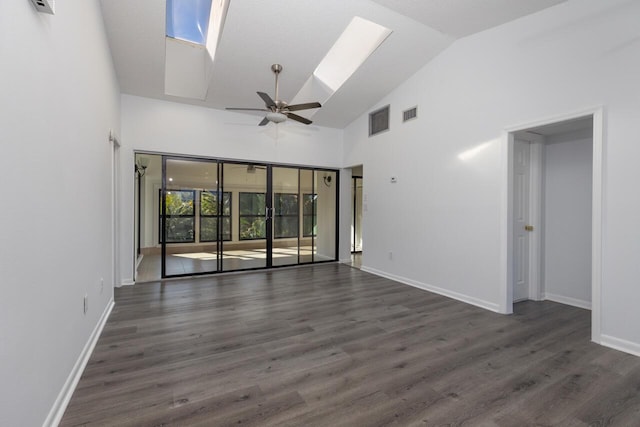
(354, 217)
(115, 208)
(506, 228)
(162, 232)
(269, 165)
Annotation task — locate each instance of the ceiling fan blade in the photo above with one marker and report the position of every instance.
(263, 122)
(246, 109)
(307, 106)
(298, 118)
(270, 103)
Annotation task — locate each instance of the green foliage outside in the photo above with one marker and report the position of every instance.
(252, 211)
(179, 203)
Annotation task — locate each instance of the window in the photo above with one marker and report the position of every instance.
(209, 216)
(379, 121)
(252, 216)
(179, 216)
(285, 216)
(309, 211)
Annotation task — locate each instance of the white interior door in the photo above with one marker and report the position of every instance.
(521, 200)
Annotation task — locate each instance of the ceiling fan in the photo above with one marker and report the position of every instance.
(278, 111)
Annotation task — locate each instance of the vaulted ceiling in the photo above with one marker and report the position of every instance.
(298, 34)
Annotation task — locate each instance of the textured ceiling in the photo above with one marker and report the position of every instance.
(297, 34)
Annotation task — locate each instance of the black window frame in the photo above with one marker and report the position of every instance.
(277, 217)
(255, 216)
(163, 214)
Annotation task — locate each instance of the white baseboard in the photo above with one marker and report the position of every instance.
(127, 282)
(436, 290)
(620, 344)
(568, 301)
(60, 405)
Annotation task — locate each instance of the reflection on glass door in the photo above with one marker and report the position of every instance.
(356, 214)
(191, 217)
(309, 213)
(286, 216)
(248, 246)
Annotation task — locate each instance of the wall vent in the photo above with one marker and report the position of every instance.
(379, 121)
(45, 6)
(410, 114)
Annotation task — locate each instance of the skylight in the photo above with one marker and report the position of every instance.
(353, 47)
(188, 66)
(356, 43)
(188, 20)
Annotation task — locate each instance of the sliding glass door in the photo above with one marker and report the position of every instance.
(247, 186)
(227, 216)
(195, 217)
(286, 224)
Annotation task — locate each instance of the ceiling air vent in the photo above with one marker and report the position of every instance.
(45, 6)
(379, 121)
(410, 114)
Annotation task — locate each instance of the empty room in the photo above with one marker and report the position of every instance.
(320, 213)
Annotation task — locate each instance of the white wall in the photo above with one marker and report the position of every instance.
(59, 101)
(167, 127)
(325, 240)
(447, 206)
(567, 178)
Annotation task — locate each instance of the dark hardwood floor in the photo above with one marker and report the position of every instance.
(329, 345)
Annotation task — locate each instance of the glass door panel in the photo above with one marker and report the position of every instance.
(308, 226)
(324, 242)
(247, 246)
(286, 216)
(189, 217)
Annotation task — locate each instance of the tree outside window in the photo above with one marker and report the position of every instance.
(179, 216)
(209, 216)
(286, 215)
(252, 216)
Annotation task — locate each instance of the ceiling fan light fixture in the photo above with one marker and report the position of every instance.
(276, 117)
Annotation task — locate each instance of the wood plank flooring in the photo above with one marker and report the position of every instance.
(329, 345)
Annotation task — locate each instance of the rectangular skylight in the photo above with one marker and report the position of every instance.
(188, 66)
(356, 43)
(188, 20)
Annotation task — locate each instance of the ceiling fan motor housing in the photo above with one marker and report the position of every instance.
(278, 111)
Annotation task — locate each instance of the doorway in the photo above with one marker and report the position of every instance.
(554, 210)
(203, 216)
(357, 200)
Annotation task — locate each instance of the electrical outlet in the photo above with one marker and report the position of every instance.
(390, 255)
(86, 303)
(101, 284)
